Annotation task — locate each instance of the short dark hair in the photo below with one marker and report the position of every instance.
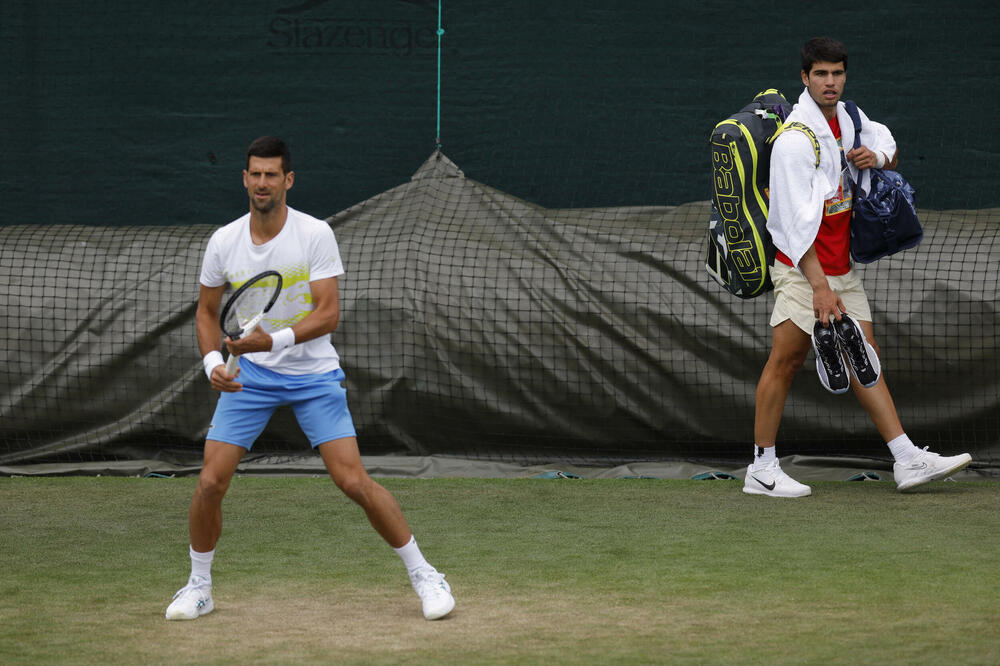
(822, 49)
(270, 146)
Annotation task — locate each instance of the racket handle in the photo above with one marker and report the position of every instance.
(234, 360)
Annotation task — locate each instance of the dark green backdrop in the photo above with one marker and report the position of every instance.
(119, 113)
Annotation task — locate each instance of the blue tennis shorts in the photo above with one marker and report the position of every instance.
(319, 402)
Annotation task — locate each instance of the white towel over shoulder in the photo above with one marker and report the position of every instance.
(798, 188)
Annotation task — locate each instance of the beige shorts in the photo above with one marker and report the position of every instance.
(793, 296)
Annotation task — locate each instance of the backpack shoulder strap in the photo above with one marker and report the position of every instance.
(852, 111)
(805, 129)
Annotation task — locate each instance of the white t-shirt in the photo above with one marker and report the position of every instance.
(304, 250)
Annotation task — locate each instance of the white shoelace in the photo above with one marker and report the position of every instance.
(429, 583)
(193, 584)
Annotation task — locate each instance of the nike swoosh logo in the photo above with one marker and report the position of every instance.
(922, 465)
(769, 486)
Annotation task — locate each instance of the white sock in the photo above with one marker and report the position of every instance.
(902, 448)
(201, 563)
(411, 555)
(762, 455)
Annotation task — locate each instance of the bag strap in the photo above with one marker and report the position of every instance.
(852, 111)
(805, 129)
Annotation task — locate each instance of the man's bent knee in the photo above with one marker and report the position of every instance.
(212, 485)
(220, 464)
(356, 485)
(785, 364)
(789, 366)
(789, 349)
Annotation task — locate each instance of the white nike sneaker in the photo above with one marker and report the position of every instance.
(927, 466)
(191, 601)
(770, 480)
(434, 592)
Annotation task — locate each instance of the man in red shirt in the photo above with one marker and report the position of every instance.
(809, 221)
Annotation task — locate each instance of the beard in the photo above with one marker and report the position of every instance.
(265, 207)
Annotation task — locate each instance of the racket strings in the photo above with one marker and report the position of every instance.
(249, 304)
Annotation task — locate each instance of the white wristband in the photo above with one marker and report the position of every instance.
(880, 160)
(212, 359)
(282, 339)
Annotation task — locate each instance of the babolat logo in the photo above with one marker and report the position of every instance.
(301, 29)
(729, 201)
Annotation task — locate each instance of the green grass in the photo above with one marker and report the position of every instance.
(567, 571)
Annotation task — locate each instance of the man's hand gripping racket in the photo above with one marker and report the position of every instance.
(246, 308)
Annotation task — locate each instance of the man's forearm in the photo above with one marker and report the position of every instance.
(812, 270)
(209, 334)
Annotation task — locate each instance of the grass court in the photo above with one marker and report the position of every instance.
(543, 571)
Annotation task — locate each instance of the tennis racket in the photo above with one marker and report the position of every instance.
(245, 309)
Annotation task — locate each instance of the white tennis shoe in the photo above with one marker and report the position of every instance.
(771, 481)
(192, 601)
(927, 466)
(434, 592)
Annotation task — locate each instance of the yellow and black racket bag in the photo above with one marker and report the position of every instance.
(739, 247)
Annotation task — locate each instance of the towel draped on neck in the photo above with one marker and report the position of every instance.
(798, 188)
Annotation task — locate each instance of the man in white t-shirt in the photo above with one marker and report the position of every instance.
(288, 360)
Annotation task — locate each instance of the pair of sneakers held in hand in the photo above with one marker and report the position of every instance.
(832, 343)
